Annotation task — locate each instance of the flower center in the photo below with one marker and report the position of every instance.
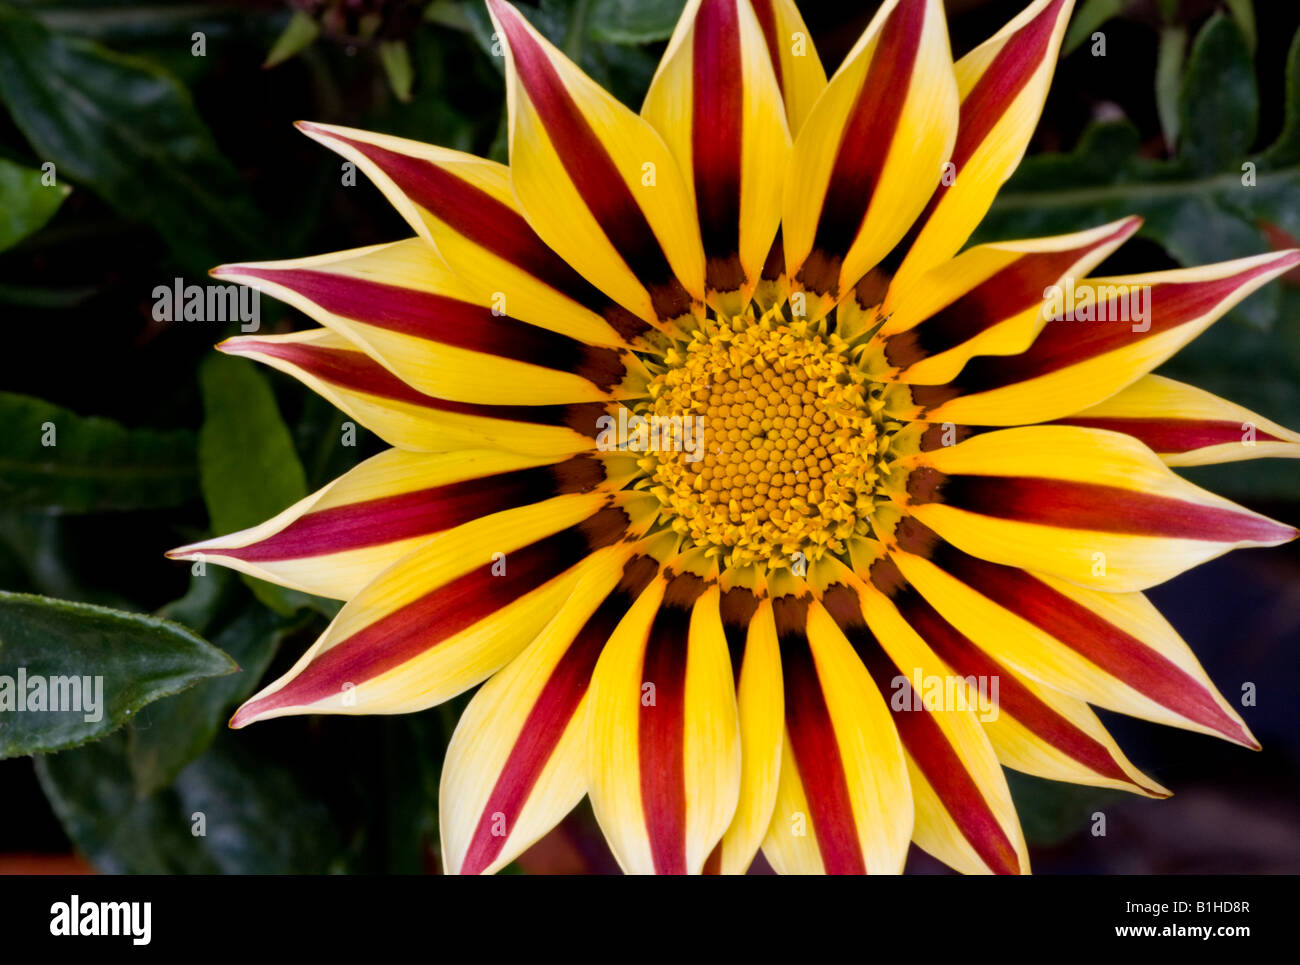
(781, 463)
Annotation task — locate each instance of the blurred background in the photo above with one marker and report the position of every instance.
(144, 142)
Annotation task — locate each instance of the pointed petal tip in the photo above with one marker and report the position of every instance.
(1132, 223)
(1240, 736)
(1153, 789)
(315, 130)
(245, 715)
(235, 345)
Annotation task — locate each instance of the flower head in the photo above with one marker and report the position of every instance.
(764, 513)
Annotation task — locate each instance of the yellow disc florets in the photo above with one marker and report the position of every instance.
(768, 443)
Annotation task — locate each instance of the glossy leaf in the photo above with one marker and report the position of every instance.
(1206, 205)
(248, 467)
(26, 202)
(1218, 106)
(55, 460)
(129, 131)
(72, 672)
(167, 735)
(230, 812)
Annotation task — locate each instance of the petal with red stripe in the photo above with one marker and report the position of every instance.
(801, 81)
(844, 804)
(338, 539)
(402, 306)
(1032, 728)
(964, 813)
(665, 741)
(517, 762)
(795, 64)
(716, 103)
(466, 207)
(750, 632)
(986, 301)
(1093, 507)
(596, 182)
(405, 417)
(870, 154)
(455, 610)
(1187, 426)
(1104, 334)
(1003, 84)
(1114, 650)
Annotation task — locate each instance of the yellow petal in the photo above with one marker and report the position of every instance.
(1107, 333)
(665, 741)
(986, 301)
(759, 702)
(1093, 507)
(465, 206)
(870, 154)
(596, 182)
(1003, 83)
(716, 103)
(517, 762)
(844, 805)
(401, 305)
(402, 416)
(1187, 426)
(1110, 649)
(451, 613)
(338, 539)
(798, 69)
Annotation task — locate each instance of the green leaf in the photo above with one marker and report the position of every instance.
(301, 30)
(254, 816)
(1260, 370)
(1218, 107)
(1243, 12)
(25, 202)
(55, 460)
(1206, 205)
(396, 60)
(119, 662)
(633, 21)
(40, 556)
(208, 594)
(90, 791)
(128, 130)
(1092, 14)
(168, 735)
(135, 21)
(248, 468)
(1052, 812)
(1286, 149)
(623, 69)
(1198, 219)
(1170, 56)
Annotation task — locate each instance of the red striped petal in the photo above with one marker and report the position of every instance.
(551, 715)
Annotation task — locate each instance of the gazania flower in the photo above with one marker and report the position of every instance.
(733, 482)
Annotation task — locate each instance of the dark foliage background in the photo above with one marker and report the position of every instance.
(169, 159)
